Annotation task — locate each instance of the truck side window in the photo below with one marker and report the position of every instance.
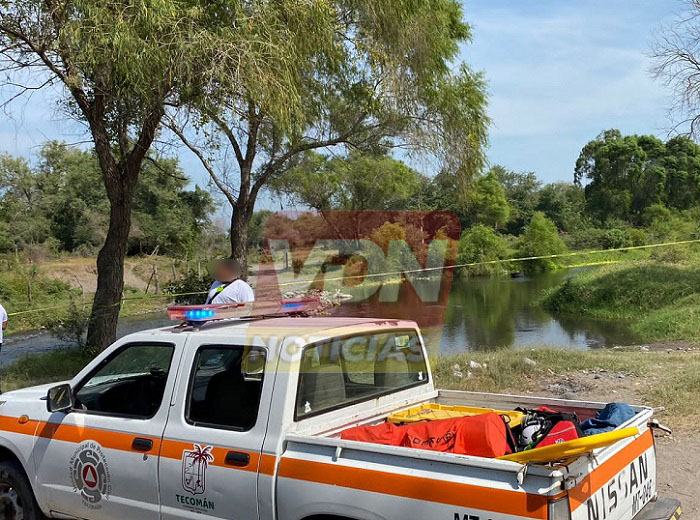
(356, 368)
(225, 387)
(129, 383)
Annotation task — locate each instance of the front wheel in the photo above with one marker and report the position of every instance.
(17, 500)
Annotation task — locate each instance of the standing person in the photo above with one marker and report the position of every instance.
(3, 326)
(228, 286)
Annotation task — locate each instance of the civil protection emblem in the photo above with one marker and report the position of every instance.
(194, 468)
(90, 474)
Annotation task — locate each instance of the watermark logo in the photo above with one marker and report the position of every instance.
(396, 266)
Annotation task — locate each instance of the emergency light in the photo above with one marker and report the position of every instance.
(257, 309)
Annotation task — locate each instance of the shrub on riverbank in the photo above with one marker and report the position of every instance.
(481, 245)
(540, 238)
(26, 288)
(661, 299)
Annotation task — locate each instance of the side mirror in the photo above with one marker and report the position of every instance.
(60, 399)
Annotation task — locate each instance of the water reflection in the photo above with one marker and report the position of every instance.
(488, 313)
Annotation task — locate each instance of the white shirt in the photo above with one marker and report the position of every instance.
(3, 319)
(236, 292)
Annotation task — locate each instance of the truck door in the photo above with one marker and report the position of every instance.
(101, 460)
(211, 453)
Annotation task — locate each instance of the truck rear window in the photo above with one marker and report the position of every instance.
(351, 369)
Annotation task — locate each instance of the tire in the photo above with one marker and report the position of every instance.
(17, 500)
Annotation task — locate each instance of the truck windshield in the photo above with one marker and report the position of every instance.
(350, 369)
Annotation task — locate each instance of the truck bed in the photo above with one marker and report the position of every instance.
(463, 486)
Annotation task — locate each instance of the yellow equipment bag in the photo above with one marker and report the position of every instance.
(436, 412)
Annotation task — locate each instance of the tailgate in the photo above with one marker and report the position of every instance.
(620, 487)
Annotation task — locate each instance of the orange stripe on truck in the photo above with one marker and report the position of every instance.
(418, 488)
(265, 464)
(122, 441)
(111, 439)
(611, 467)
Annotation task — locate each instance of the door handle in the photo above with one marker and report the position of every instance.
(141, 444)
(236, 458)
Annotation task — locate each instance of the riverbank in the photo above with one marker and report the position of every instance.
(660, 299)
(664, 379)
(37, 294)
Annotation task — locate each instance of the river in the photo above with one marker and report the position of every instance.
(490, 313)
(482, 314)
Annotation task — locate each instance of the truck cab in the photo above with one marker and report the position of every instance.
(243, 419)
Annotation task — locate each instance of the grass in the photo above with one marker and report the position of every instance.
(660, 299)
(50, 367)
(661, 379)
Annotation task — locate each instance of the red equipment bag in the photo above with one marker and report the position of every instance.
(384, 433)
(561, 432)
(479, 435)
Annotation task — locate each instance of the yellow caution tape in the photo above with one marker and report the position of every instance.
(399, 273)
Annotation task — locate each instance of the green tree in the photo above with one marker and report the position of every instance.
(480, 245)
(522, 193)
(61, 201)
(119, 62)
(22, 204)
(564, 204)
(540, 238)
(682, 163)
(627, 174)
(256, 228)
(356, 182)
(487, 202)
(370, 75)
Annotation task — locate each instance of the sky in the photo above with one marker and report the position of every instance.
(559, 72)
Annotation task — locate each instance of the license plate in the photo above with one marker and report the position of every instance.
(623, 496)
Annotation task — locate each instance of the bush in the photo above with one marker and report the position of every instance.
(540, 238)
(616, 238)
(480, 244)
(190, 290)
(587, 238)
(72, 326)
(668, 226)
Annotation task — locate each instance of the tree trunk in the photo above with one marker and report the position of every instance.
(102, 329)
(239, 239)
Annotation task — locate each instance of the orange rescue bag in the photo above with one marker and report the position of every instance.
(480, 435)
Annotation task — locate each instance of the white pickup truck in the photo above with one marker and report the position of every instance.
(241, 419)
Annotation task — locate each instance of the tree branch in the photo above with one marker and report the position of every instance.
(229, 135)
(202, 159)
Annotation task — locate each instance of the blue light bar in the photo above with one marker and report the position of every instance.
(291, 306)
(200, 314)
